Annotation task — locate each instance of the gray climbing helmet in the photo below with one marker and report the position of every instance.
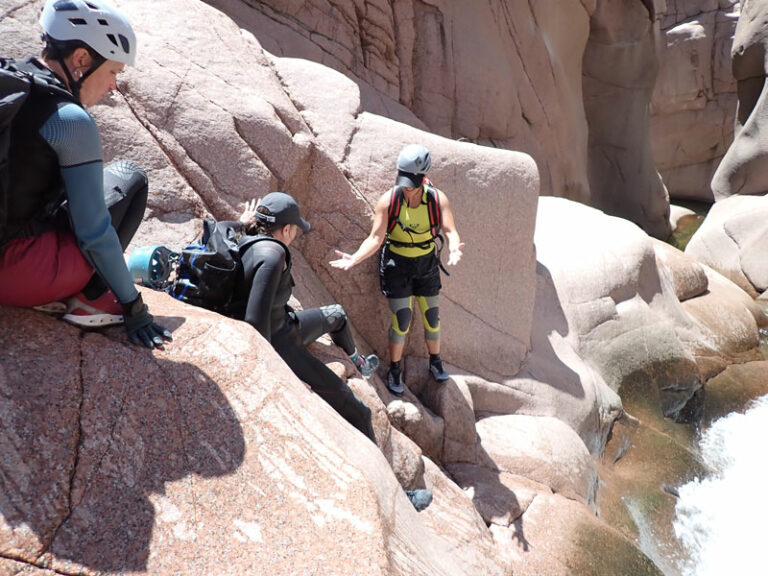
(414, 159)
(95, 23)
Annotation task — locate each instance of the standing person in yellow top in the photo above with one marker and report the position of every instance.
(408, 220)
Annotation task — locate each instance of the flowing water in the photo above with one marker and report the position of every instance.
(720, 518)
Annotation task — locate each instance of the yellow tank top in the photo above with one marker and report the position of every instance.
(416, 223)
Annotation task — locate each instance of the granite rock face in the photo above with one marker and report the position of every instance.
(620, 68)
(209, 454)
(210, 141)
(694, 99)
(419, 63)
(733, 239)
(568, 84)
(742, 170)
(609, 315)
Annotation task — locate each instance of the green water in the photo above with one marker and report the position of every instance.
(687, 225)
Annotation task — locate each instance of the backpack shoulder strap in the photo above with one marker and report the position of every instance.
(44, 79)
(14, 91)
(13, 82)
(36, 76)
(433, 209)
(395, 204)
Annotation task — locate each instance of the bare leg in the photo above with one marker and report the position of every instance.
(396, 351)
(432, 345)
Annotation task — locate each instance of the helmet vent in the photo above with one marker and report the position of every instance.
(65, 6)
(125, 43)
(93, 23)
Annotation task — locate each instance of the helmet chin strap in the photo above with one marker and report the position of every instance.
(76, 85)
(56, 50)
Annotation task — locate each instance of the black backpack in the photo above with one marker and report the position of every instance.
(209, 272)
(17, 81)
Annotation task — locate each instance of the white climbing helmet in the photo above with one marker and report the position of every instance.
(414, 159)
(93, 22)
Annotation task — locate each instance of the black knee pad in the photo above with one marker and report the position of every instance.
(403, 319)
(130, 174)
(432, 316)
(124, 179)
(334, 313)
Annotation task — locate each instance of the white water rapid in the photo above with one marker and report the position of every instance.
(721, 518)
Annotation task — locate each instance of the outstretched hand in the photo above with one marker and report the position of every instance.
(344, 262)
(249, 212)
(455, 255)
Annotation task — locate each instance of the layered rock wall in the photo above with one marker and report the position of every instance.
(620, 67)
(518, 85)
(235, 123)
(694, 100)
(515, 85)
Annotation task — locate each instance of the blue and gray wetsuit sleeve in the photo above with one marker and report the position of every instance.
(74, 136)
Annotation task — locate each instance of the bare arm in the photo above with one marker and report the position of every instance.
(371, 244)
(455, 245)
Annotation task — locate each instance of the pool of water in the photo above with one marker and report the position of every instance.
(686, 227)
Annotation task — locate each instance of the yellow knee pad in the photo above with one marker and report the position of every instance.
(430, 315)
(401, 319)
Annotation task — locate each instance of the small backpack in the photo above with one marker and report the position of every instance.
(17, 81)
(433, 211)
(210, 270)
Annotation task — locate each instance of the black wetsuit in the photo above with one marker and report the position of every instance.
(267, 271)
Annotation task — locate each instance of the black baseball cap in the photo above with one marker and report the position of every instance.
(283, 210)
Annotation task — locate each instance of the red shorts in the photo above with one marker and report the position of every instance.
(43, 269)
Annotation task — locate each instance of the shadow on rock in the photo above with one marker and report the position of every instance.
(545, 363)
(91, 432)
(499, 497)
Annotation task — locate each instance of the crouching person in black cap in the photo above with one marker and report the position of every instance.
(272, 226)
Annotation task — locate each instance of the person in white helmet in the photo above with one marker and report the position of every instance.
(409, 220)
(66, 219)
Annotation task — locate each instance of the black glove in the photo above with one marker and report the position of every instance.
(141, 326)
